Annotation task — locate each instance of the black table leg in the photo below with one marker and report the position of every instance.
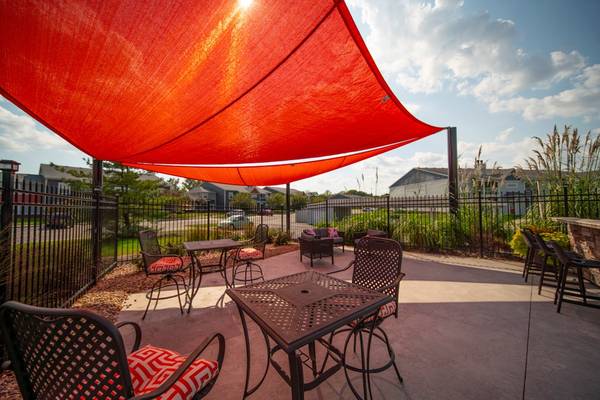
(296, 376)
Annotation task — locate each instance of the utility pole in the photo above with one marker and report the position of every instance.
(287, 208)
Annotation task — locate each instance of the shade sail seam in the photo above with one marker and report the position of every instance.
(247, 91)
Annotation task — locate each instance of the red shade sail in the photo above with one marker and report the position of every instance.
(203, 82)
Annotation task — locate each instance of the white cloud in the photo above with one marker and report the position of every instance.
(581, 100)
(505, 134)
(428, 47)
(20, 133)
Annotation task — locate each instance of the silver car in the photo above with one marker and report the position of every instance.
(234, 222)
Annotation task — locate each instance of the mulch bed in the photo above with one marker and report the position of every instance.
(108, 297)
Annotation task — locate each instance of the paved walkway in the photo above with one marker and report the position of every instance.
(462, 333)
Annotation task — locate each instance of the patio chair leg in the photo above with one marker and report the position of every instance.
(581, 284)
(542, 273)
(149, 301)
(178, 294)
(391, 352)
(363, 366)
(562, 288)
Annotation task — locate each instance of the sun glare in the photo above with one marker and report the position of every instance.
(245, 3)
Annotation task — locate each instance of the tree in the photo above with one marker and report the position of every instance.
(298, 200)
(357, 192)
(189, 184)
(276, 201)
(242, 200)
(567, 159)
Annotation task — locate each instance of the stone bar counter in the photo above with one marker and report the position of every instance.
(584, 235)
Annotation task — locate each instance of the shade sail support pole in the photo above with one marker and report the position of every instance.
(97, 180)
(287, 208)
(452, 170)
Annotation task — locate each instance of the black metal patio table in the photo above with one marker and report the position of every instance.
(300, 310)
(223, 245)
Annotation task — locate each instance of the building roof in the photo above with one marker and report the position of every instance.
(65, 172)
(230, 188)
(278, 189)
(493, 173)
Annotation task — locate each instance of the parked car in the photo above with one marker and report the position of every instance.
(235, 222)
(59, 220)
(265, 211)
(237, 211)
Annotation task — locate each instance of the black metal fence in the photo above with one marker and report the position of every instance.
(51, 251)
(48, 242)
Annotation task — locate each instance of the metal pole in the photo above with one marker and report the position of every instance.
(208, 220)
(566, 200)
(327, 212)
(452, 171)
(480, 224)
(9, 169)
(287, 208)
(96, 217)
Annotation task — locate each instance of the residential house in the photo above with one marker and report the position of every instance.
(281, 189)
(201, 195)
(434, 182)
(224, 192)
(501, 184)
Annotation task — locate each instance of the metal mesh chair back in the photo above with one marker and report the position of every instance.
(377, 264)
(262, 234)
(64, 354)
(560, 253)
(149, 246)
(541, 243)
(529, 239)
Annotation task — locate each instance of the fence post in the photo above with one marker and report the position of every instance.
(208, 220)
(116, 227)
(388, 216)
(480, 224)
(566, 200)
(96, 217)
(9, 169)
(326, 212)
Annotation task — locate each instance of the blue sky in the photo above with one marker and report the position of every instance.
(500, 71)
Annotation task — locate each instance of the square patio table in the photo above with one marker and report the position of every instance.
(299, 310)
(224, 245)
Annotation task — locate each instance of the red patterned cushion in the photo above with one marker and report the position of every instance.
(150, 366)
(385, 311)
(249, 253)
(168, 264)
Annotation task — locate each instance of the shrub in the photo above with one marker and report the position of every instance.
(281, 238)
(518, 246)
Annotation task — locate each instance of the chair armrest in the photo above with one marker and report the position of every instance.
(393, 284)
(136, 329)
(6, 366)
(187, 363)
(343, 269)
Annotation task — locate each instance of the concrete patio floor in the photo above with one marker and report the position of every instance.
(462, 333)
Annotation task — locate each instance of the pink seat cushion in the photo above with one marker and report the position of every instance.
(250, 253)
(332, 232)
(385, 311)
(151, 366)
(168, 264)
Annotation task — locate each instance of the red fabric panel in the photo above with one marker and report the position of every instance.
(264, 175)
(200, 82)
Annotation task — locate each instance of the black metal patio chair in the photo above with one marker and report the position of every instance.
(245, 268)
(74, 354)
(568, 262)
(377, 266)
(315, 247)
(170, 267)
(533, 257)
(549, 254)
